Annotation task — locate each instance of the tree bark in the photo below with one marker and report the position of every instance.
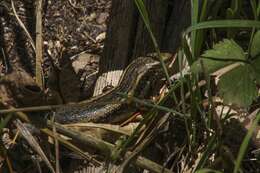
(127, 36)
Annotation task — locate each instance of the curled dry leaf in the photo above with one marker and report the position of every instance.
(23, 88)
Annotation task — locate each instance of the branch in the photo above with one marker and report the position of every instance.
(107, 148)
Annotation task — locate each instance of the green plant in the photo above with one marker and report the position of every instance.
(238, 74)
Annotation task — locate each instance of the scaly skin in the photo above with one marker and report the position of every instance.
(110, 107)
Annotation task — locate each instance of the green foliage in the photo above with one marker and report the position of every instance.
(233, 13)
(245, 143)
(255, 8)
(144, 14)
(255, 55)
(5, 121)
(236, 86)
(228, 49)
(235, 23)
(255, 48)
(256, 68)
(207, 153)
(205, 170)
(224, 53)
(209, 65)
(194, 21)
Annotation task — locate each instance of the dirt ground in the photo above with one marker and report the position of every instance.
(69, 28)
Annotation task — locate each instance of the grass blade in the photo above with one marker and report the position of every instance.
(142, 10)
(245, 143)
(207, 171)
(225, 24)
(194, 21)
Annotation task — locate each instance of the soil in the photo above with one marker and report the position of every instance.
(69, 28)
(73, 39)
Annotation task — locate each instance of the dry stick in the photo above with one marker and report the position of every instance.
(47, 107)
(69, 145)
(72, 147)
(33, 143)
(56, 144)
(118, 129)
(30, 109)
(144, 143)
(107, 148)
(9, 164)
(21, 115)
(39, 60)
(22, 26)
(24, 117)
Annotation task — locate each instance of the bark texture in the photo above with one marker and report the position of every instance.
(127, 36)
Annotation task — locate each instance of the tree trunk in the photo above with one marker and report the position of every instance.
(127, 36)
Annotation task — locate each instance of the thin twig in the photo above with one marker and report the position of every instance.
(72, 147)
(32, 142)
(56, 144)
(22, 26)
(9, 164)
(39, 60)
(145, 103)
(107, 148)
(69, 145)
(118, 129)
(144, 142)
(30, 109)
(50, 107)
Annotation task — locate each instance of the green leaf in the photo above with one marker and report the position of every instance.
(222, 52)
(255, 48)
(209, 65)
(238, 87)
(256, 69)
(227, 49)
(258, 10)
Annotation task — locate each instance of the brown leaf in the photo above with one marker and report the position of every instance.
(23, 88)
